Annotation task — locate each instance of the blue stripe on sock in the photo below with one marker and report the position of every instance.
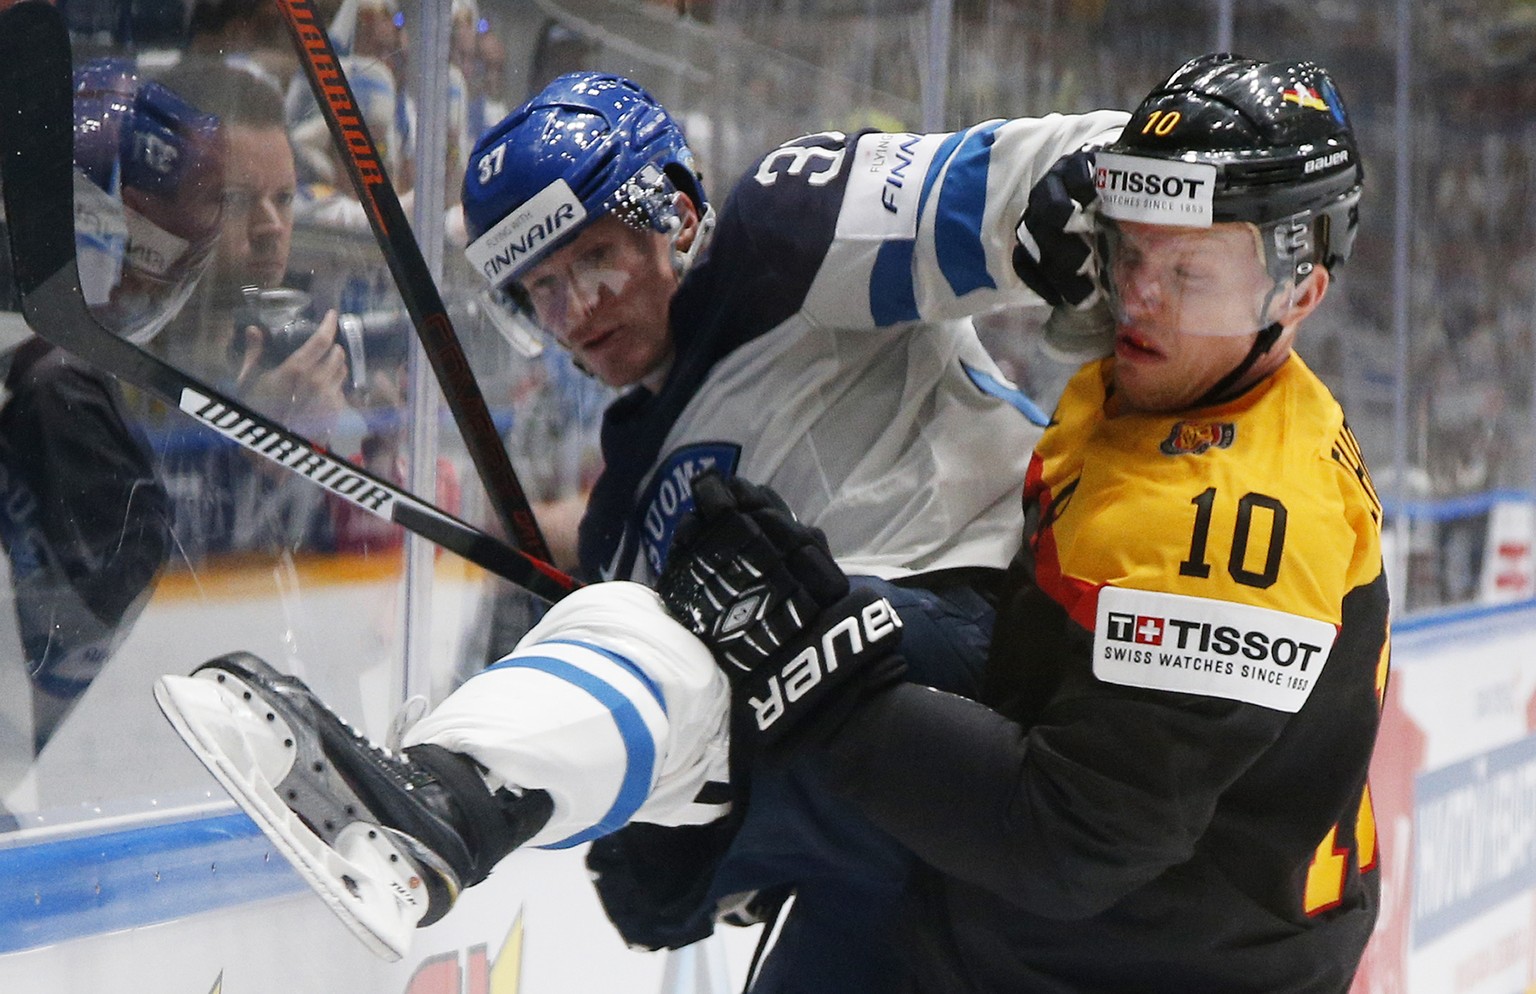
(640, 751)
(623, 662)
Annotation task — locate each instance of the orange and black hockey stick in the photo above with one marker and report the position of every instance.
(37, 178)
(393, 233)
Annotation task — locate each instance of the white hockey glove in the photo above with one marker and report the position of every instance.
(763, 592)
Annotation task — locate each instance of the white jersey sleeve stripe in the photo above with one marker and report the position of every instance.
(892, 297)
(959, 224)
(892, 291)
(640, 748)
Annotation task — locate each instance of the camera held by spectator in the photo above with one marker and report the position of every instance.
(375, 339)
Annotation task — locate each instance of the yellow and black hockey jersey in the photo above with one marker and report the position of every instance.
(1166, 789)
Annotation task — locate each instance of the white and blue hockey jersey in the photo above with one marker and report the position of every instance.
(823, 349)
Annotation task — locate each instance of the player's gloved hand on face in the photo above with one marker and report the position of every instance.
(1054, 250)
(1054, 257)
(764, 593)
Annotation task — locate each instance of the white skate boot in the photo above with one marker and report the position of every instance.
(388, 840)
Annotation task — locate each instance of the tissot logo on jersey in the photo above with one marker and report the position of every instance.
(670, 493)
(1154, 191)
(1194, 645)
(1202, 636)
(553, 212)
(1133, 628)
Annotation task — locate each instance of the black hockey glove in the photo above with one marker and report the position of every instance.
(1054, 251)
(764, 593)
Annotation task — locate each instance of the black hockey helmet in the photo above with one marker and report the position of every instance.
(1281, 143)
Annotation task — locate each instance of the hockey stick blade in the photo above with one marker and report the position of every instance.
(392, 231)
(36, 175)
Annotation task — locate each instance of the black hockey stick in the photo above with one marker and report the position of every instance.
(37, 177)
(393, 232)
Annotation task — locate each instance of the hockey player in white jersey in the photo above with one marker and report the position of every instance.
(813, 339)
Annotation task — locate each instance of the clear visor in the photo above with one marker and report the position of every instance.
(1209, 281)
(561, 291)
(511, 319)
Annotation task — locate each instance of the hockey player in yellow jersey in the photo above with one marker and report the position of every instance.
(1163, 787)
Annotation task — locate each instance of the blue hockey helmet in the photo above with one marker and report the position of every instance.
(149, 187)
(589, 144)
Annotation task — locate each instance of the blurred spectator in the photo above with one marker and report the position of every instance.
(560, 50)
(245, 33)
(224, 498)
(253, 251)
(487, 104)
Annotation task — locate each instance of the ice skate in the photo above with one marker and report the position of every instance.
(388, 840)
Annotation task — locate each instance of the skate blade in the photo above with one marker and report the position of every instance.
(364, 878)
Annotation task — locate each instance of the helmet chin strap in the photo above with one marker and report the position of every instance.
(1227, 387)
(1224, 388)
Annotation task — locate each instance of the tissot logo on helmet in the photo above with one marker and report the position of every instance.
(1273, 159)
(1151, 183)
(1154, 191)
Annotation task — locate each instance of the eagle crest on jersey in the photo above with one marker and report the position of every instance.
(1194, 437)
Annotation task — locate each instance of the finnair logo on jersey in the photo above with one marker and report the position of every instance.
(885, 184)
(669, 495)
(1155, 191)
(891, 157)
(1195, 645)
(516, 238)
